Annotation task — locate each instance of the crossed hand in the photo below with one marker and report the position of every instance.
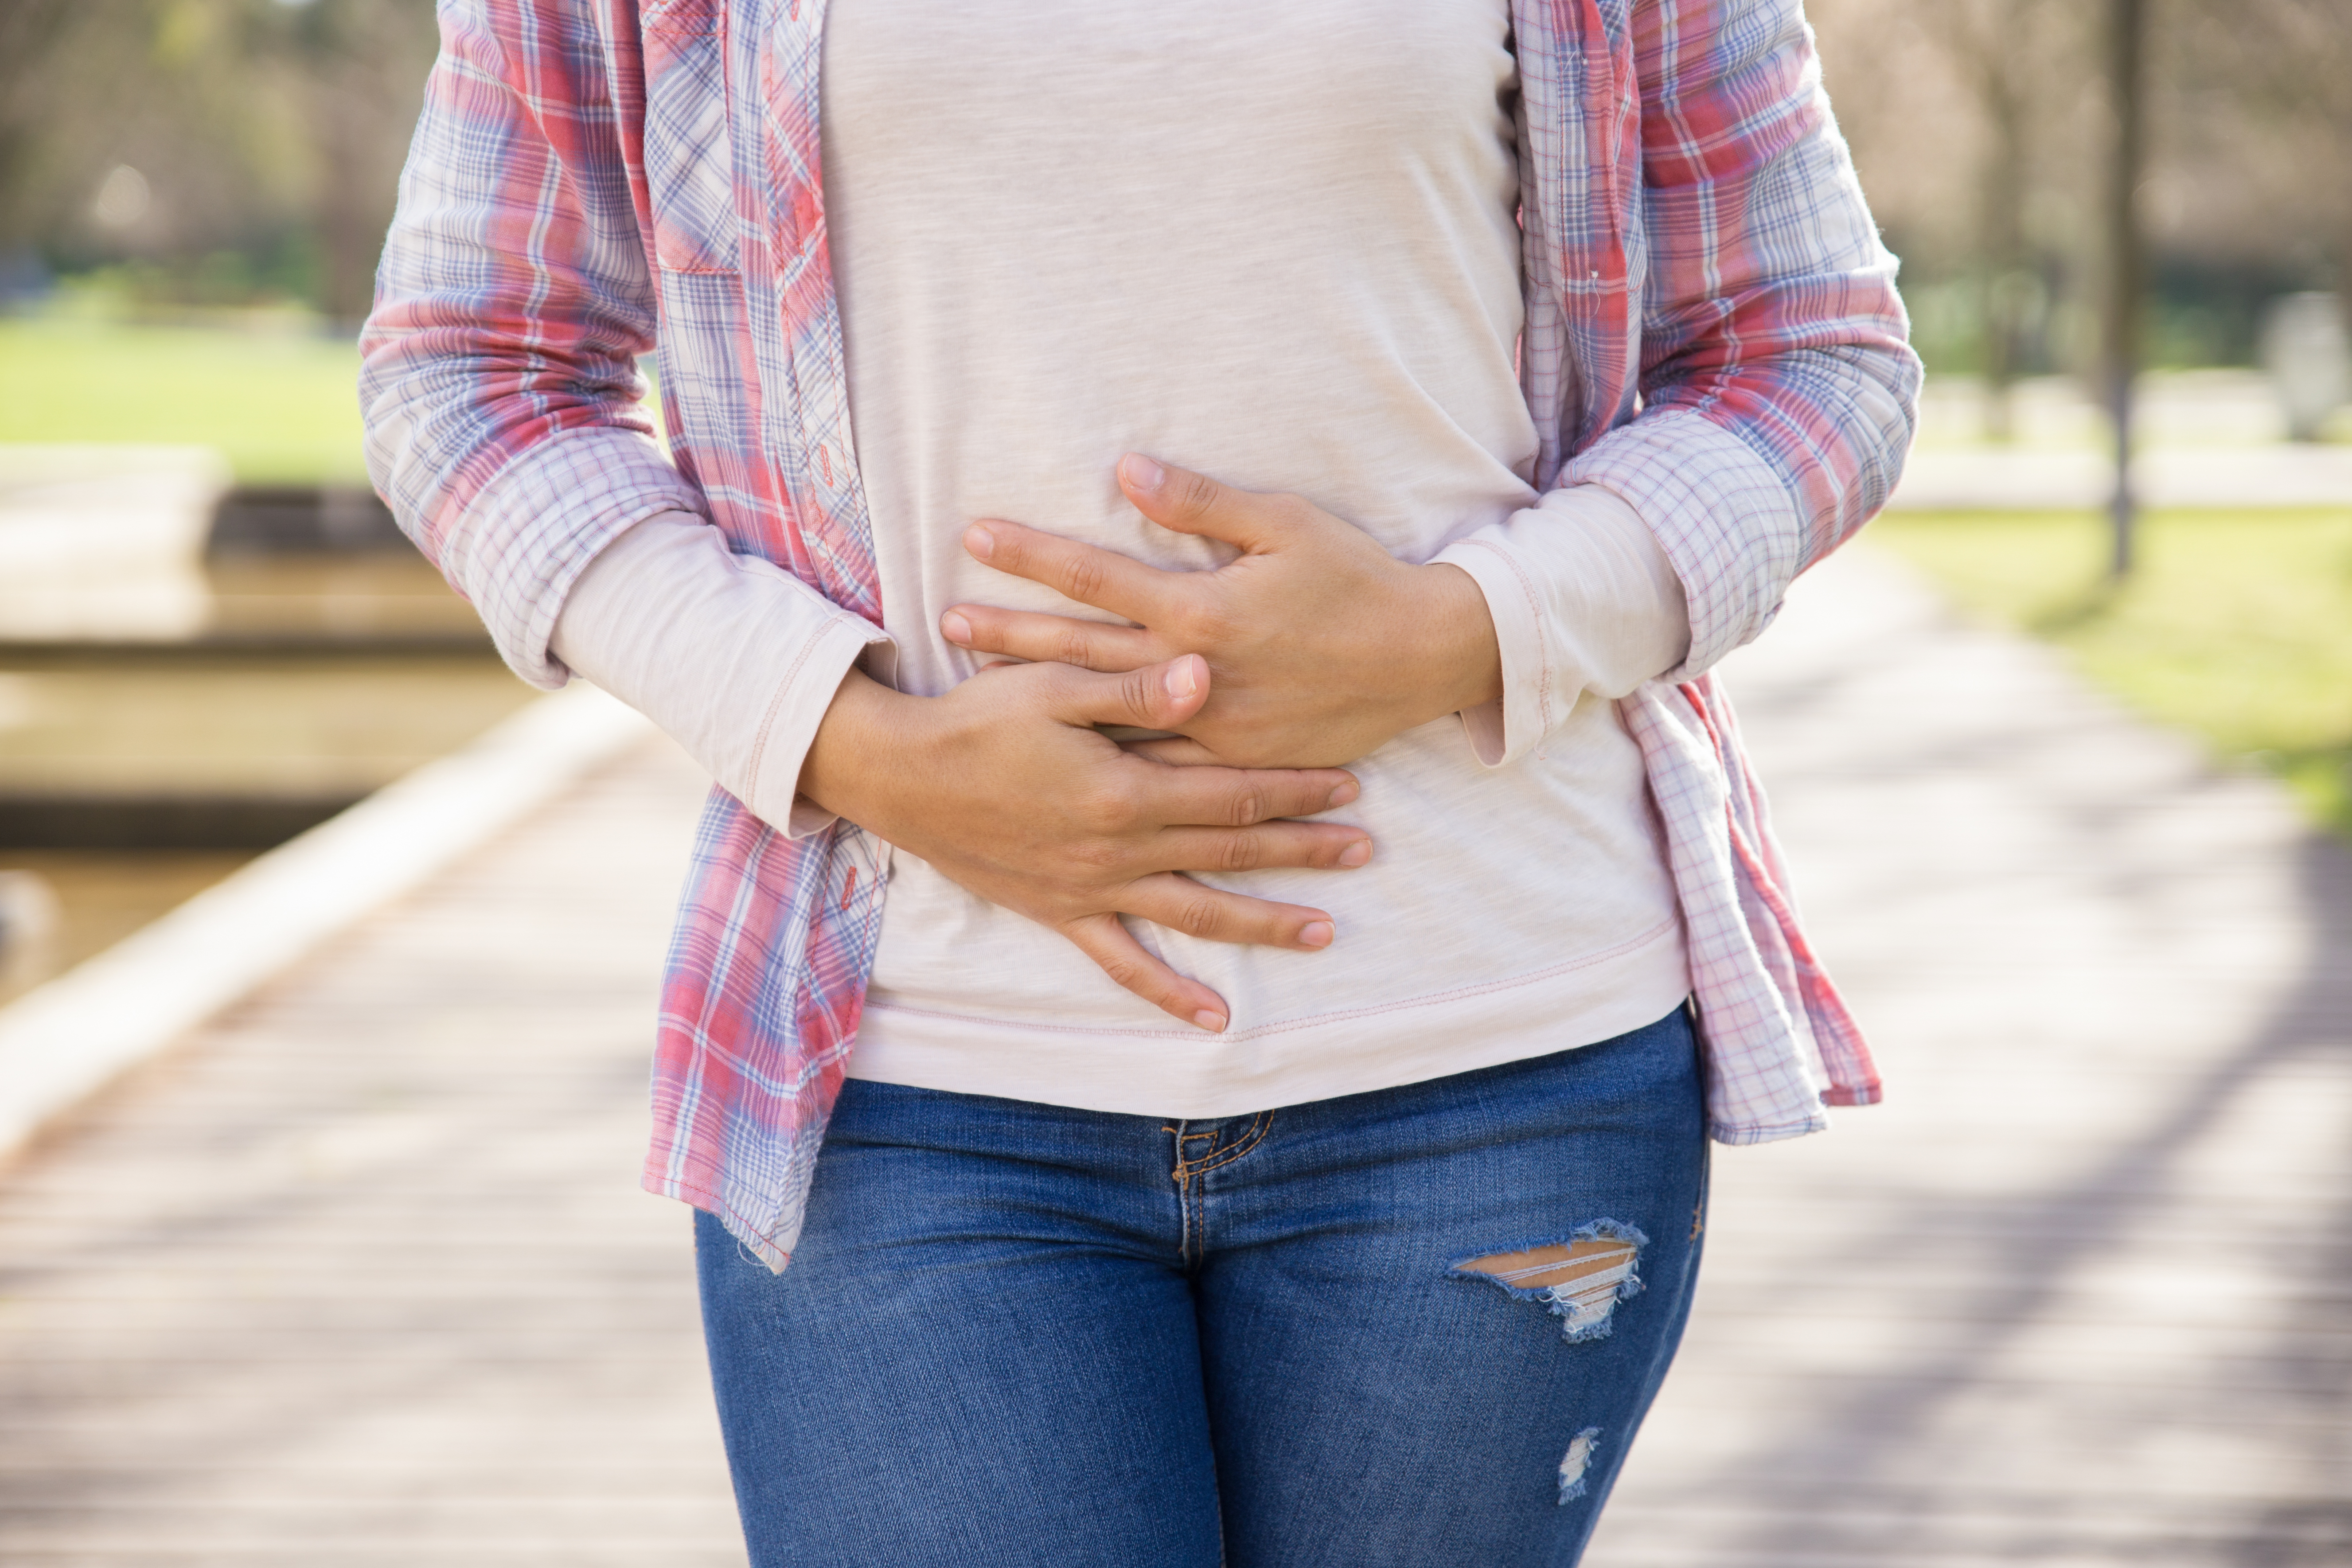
(1311, 648)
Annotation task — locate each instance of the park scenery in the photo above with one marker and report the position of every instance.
(328, 948)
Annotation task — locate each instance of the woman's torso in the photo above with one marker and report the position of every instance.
(1276, 245)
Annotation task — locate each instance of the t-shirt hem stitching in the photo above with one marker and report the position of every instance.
(1262, 1031)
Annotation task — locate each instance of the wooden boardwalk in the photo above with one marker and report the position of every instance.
(2081, 1291)
(362, 1276)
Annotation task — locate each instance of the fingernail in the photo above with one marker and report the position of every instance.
(1141, 472)
(1181, 681)
(954, 627)
(1357, 854)
(980, 542)
(1344, 793)
(1213, 1022)
(1315, 933)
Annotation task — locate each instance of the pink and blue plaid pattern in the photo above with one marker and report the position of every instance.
(1713, 333)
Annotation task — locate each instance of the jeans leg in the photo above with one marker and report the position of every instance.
(1378, 1395)
(984, 1352)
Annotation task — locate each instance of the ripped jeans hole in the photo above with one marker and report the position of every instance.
(1582, 1279)
(1576, 1461)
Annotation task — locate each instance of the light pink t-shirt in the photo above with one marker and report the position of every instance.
(1277, 245)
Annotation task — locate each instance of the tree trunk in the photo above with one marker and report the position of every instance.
(2127, 265)
(2003, 217)
(348, 232)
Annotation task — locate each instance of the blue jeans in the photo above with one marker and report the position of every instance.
(1412, 1326)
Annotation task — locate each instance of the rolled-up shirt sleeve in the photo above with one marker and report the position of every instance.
(505, 415)
(1585, 602)
(734, 658)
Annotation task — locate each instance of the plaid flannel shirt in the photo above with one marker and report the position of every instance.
(1712, 333)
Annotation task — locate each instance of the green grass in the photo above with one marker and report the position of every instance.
(282, 405)
(2236, 627)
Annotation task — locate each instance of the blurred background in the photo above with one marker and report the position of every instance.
(211, 635)
(1986, 135)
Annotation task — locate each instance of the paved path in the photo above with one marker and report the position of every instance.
(363, 1277)
(2081, 1291)
(2077, 1295)
(2025, 478)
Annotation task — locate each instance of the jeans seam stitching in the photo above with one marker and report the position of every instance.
(1250, 1140)
(1183, 1196)
(1194, 1222)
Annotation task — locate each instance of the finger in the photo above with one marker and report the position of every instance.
(1103, 578)
(1316, 846)
(1237, 797)
(1115, 949)
(1212, 914)
(1042, 639)
(1178, 750)
(1188, 502)
(1157, 696)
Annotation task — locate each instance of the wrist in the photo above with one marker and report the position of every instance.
(1457, 649)
(857, 751)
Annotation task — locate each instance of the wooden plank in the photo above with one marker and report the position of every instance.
(362, 1274)
(66, 1039)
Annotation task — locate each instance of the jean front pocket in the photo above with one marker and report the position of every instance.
(689, 148)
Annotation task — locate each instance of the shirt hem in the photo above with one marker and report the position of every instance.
(1184, 1072)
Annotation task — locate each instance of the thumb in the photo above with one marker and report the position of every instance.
(1157, 696)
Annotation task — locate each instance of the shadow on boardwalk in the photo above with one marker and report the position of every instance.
(2077, 1293)
(362, 1276)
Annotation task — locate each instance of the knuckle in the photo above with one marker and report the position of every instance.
(1072, 646)
(1196, 916)
(1123, 971)
(1082, 578)
(1134, 693)
(1242, 852)
(1249, 807)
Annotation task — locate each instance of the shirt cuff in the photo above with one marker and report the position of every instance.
(735, 658)
(1724, 516)
(522, 541)
(1583, 599)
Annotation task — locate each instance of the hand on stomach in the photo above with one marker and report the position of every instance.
(1005, 787)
